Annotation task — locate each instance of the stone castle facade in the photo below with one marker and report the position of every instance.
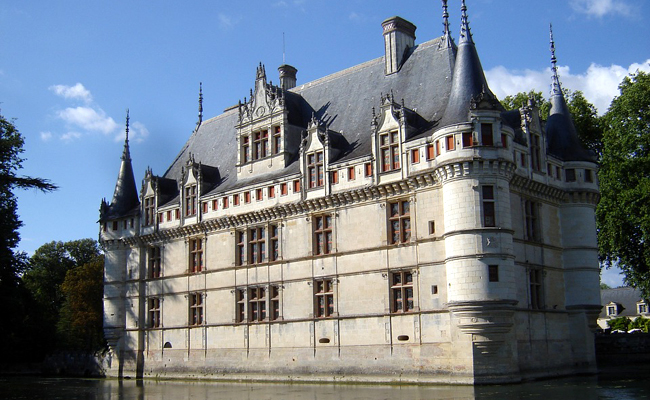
(390, 222)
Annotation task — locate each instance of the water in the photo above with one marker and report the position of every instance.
(618, 387)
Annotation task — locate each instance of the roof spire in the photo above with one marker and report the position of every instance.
(465, 31)
(200, 103)
(446, 32)
(126, 154)
(555, 88)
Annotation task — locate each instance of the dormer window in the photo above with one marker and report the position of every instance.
(244, 149)
(487, 135)
(190, 200)
(612, 309)
(389, 151)
(277, 140)
(149, 208)
(315, 169)
(260, 144)
(642, 307)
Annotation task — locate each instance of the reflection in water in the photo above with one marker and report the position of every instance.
(71, 389)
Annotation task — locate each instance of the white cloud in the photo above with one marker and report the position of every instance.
(46, 136)
(612, 276)
(356, 17)
(600, 8)
(599, 83)
(88, 119)
(137, 133)
(70, 136)
(77, 91)
(227, 21)
(280, 3)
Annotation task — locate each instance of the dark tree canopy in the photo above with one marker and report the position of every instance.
(623, 214)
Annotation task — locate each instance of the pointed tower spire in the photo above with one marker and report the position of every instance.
(562, 137)
(465, 31)
(125, 197)
(200, 103)
(447, 41)
(468, 82)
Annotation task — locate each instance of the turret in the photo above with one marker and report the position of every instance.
(125, 197)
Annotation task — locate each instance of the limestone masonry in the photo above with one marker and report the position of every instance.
(390, 222)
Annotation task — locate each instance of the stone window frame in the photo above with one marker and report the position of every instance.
(154, 262)
(190, 199)
(493, 273)
(195, 308)
(322, 234)
(402, 218)
(488, 206)
(153, 312)
(250, 299)
(195, 255)
(642, 307)
(536, 288)
(257, 245)
(315, 169)
(532, 220)
(389, 152)
(324, 296)
(402, 295)
(149, 210)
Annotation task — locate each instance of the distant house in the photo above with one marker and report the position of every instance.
(621, 302)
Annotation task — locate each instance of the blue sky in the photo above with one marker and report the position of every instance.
(70, 69)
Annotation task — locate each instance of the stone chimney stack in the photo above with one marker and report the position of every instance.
(399, 37)
(287, 76)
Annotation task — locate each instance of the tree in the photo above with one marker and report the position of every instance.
(585, 117)
(623, 214)
(81, 318)
(14, 301)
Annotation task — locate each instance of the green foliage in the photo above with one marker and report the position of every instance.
(521, 99)
(641, 323)
(81, 320)
(14, 299)
(604, 286)
(623, 214)
(619, 324)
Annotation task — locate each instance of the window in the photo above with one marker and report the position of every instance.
(401, 286)
(256, 304)
(296, 186)
(322, 234)
(225, 202)
(177, 213)
(535, 154)
(315, 169)
(239, 248)
(260, 144)
(489, 218)
(368, 169)
(570, 174)
(399, 222)
(588, 176)
(535, 277)
(244, 149)
(149, 207)
(205, 207)
(114, 225)
(241, 305)
(190, 200)
(196, 308)
(468, 139)
(450, 143)
(124, 224)
(612, 310)
(415, 156)
(259, 196)
(161, 217)
(389, 151)
(430, 154)
(642, 308)
(271, 192)
(523, 160)
(487, 135)
(350, 173)
(169, 215)
(215, 205)
(235, 199)
(493, 273)
(154, 262)
(277, 140)
(256, 245)
(504, 141)
(196, 255)
(437, 148)
(153, 304)
(531, 215)
(247, 197)
(558, 173)
(284, 189)
(324, 298)
(274, 243)
(549, 170)
(334, 177)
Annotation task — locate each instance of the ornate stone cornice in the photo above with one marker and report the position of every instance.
(456, 169)
(531, 188)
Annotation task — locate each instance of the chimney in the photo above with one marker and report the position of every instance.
(399, 37)
(287, 76)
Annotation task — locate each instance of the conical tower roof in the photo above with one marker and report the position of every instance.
(468, 81)
(125, 197)
(563, 141)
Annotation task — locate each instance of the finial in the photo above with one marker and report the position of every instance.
(127, 124)
(200, 102)
(465, 31)
(445, 18)
(555, 89)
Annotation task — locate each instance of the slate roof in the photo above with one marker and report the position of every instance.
(344, 101)
(125, 200)
(626, 297)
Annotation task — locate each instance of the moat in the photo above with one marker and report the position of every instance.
(625, 383)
